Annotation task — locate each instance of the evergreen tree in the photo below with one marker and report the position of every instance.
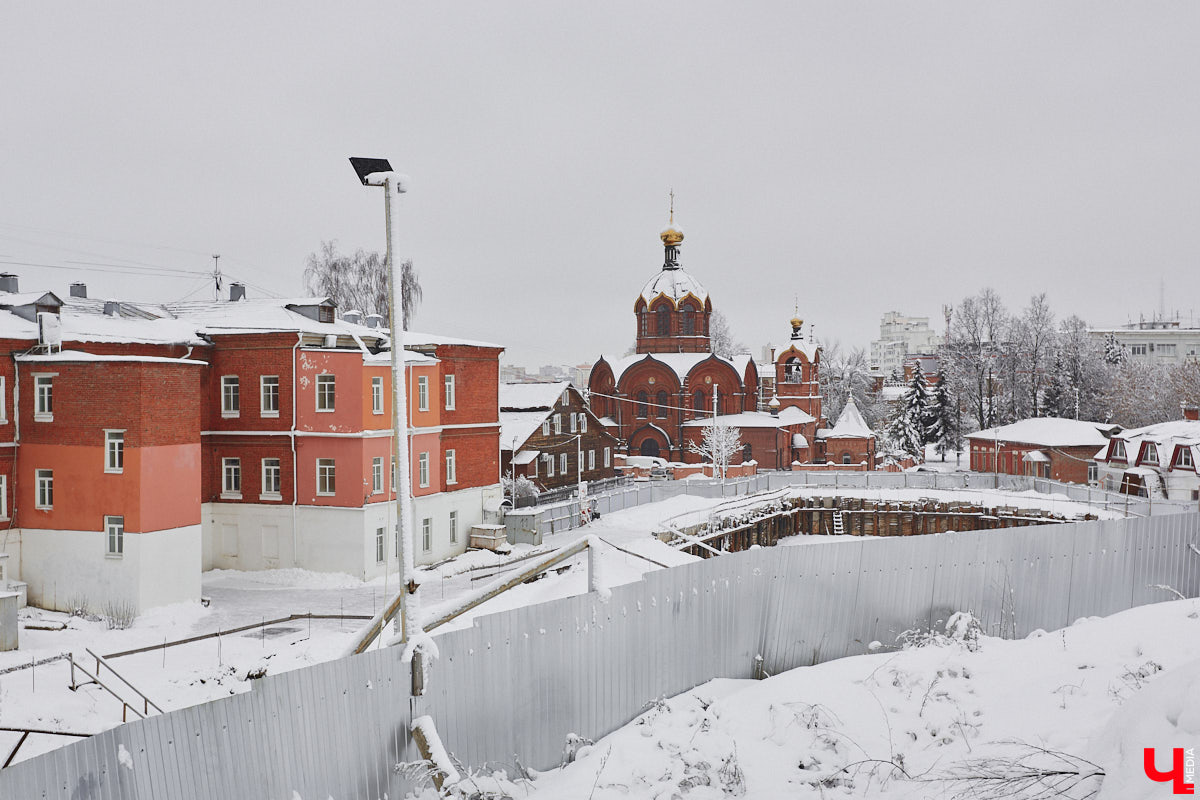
(1055, 398)
(940, 428)
(906, 429)
(1114, 351)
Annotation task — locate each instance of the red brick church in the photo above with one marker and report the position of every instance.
(658, 400)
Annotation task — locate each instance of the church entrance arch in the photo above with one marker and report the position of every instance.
(650, 448)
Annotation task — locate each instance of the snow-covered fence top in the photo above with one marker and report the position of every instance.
(517, 683)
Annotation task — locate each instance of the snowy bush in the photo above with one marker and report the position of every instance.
(77, 605)
(119, 614)
(520, 487)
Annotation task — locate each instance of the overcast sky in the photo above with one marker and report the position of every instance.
(865, 157)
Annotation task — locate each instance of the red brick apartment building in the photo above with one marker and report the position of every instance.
(1044, 447)
(143, 443)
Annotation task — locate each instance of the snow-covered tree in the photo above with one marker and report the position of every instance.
(941, 423)
(721, 336)
(845, 374)
(1058, 399)
(360, 281)
(1114, 351)
(905, 431)
(718, 444)
(518, 487)
(1038, 342)
(970, 359)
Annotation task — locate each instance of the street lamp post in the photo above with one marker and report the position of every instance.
(378, 172)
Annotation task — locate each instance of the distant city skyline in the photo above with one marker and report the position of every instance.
(862, 158)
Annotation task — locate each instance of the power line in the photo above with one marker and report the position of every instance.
(114, 268)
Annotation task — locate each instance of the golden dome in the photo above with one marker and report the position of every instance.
(671, 236)
(797, 322)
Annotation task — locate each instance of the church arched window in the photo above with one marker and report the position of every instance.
(664, 321)
(793, 371)
(720, 402)
(642, 400)
(643, 323)
(689, 322)
(661, 401)
(700, 403)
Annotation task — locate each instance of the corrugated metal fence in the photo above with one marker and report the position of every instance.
(516, 683)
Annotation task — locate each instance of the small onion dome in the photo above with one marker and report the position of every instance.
(774, 404)
(797, 322)
(671, 236)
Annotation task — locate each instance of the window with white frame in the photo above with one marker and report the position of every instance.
(574, 423)
(449, 392)
(582, 422)
(325, 392)
(562, 463)
(377, 475)
(114, 528)
(558, 423)
(379, 544)
(268, 396)
(326, 477)
(1093, 472)
(45, 488)
(3, 497)
(608, 457)
(377, 395)
(566, 397)
(1118, 450)
(591, 459)
(423, 469)
(546, 427)
(3, 402)
(453, 527)
(422, 393)
(231, 397)
(395, 475)
(43, 388)
(427, 534)
(271, 479)
(114, 451)
(1185, 458)
(1138, 349)
(451, 467)
(1150, 456)
(231, 478)
(549, 466)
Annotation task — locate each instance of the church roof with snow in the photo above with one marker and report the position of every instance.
(679, 363)
(850, 425)
(674, 284)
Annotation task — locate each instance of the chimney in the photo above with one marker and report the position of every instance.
(237, 291)
(8, 282)
(1191, 413)
(354, 317)
(112, 308)
(373, 320)
(79, 290)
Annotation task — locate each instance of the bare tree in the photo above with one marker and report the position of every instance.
(718, 445)
(971, 360)
(723, 343)
(360, 281)
(1039, 341)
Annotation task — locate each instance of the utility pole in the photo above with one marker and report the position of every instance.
(216, 276)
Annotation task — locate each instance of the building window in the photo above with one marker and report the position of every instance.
(565, 399)
(376, 395)
(423, 469)
(608, 457)
(1185, 458)
(846, 458)
(422, 393)
(271, 474)
(326, 477)
(377, 475)
(664, 321)
(1093, 472)
(449, 392)
(114, 451)
(268, 396)
(453, 527)
(427, 534)
(1137, 349)
(557, 423)
(574, 423)
(549, 466)
(582, 422)
(689, 323)
(451, 468)
(643, 400)
(115, 528)
(324, 313)
(698, 402)
(45, 489)
(562, 463)
(44, 395)
(660, 401)
(325, 392)
(3, 497)
(1150, 454)
(546, 428)
(395, 475)
(231, 478)
(231, 398)
(3, 402)
(591, 459)
(1166, 350)
(379, 540)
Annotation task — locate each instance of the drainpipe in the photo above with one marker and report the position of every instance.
(295, 468)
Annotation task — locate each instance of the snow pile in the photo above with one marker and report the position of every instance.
(953, 714)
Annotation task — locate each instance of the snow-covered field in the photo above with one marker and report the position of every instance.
(951, 716)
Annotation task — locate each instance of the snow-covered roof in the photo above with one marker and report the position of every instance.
(808, 348)
(794, 415)
(1166, 436)
(526, 396)
(799, 440)
(609, 422)
(526, 456)
(746, 419)
(76, 356)
(517, 426)
(850, 424)
(1047, 432)
(1035, 455)
(680, 363)
(419, 339)
(24, 298)
(264, 314)
(674, 284)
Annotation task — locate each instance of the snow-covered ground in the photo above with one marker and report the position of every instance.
(933, 720)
